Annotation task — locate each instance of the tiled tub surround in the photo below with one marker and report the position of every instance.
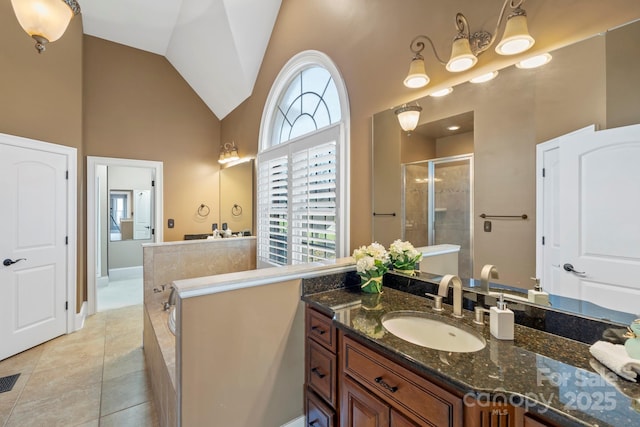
(164, 263)
(548, 374)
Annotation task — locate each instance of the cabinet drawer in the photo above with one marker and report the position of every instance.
(420, 400)
(319, 414)
(320, 328)
(321, 371)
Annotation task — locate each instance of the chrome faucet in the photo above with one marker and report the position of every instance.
(172, 299)
(456, 283)
(488, 272)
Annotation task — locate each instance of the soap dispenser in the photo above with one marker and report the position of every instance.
(537, 295)
(501, 320)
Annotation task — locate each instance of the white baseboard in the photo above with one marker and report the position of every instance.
(125, 273)
(80, 317)
(298, 422)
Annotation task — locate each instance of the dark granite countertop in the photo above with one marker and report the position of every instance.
(548, 374)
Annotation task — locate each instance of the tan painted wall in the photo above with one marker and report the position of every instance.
(454, 145)
(243, 360)
(369, 42)
(41, 98)
(137, 106)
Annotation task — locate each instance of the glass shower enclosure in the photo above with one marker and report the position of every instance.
(437, 205)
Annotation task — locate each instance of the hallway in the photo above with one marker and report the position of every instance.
(93, 377)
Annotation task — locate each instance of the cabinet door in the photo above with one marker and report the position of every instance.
(398, 420)
(361, 409)
(531, 422)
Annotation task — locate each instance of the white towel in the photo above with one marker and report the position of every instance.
(615, 357)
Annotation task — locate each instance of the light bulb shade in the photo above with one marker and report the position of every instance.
(417, 76)
(408, 116)
(461, 56)
(534, 61)
(516, 38)
(47, 19)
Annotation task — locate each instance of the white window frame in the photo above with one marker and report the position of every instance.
(294, 66)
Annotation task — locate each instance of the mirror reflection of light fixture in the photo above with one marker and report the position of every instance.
(45, 20)
(534, 61)
(484, 77)
(228, 153)
(442, 92)
(468, 46)
(408, 116)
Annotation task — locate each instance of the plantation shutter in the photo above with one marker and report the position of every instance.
(313, 203)
(273, 211)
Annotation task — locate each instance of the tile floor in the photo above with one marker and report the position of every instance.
(120, 293)
(93, 377)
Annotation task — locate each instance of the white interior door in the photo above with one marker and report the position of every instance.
(600, 217)
(548, 218)
(141, 214)
(33, 252)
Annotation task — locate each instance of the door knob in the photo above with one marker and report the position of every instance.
(569, 267)
(7, 262)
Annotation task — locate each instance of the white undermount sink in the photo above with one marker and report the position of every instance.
(426, 331)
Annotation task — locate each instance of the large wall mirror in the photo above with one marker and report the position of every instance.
(592, 82)
(236, 197)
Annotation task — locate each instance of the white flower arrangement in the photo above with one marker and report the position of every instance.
(403, 255)
(371, 263)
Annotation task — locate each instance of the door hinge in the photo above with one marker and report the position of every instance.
(66, 305)
(153, 183)
(66, 175)
(542, 240)
(66, 240)
(543, 172)
(153, 231)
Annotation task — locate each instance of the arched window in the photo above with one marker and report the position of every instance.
(303, 164)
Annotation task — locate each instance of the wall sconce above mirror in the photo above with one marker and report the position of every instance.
(467, 46)
(228, 153)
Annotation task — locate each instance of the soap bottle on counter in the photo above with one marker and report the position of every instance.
(537, 295)
(501, 320)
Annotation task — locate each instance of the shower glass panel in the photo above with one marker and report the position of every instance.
(437, 205)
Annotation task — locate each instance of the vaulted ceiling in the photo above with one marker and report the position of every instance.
(216, 45)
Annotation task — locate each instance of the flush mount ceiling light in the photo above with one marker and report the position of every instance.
(45, 20)
(468, 46)
(534, 61)
(228, 153)
(408, 116)
(484, 77)
(453, 127)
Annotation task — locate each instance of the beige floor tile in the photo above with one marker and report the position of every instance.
(48, 382)
(23, 362)
(122, 364)
(124, 392)
(64, 409)
(65, 354)
(8, 399)
(118, 346)
(143, 415)
(92, 423)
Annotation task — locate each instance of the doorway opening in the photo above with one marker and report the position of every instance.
(124, 211)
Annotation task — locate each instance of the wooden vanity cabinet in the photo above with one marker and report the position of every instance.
(321, 369)
(414, 400)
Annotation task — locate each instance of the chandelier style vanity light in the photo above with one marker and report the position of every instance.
(467, 46)
(228, 153)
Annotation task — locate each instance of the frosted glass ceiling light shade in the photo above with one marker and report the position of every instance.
(468, 45)
(408, 116)
(45, 20)
(516, 38)
(461, 56)
(417, 76)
